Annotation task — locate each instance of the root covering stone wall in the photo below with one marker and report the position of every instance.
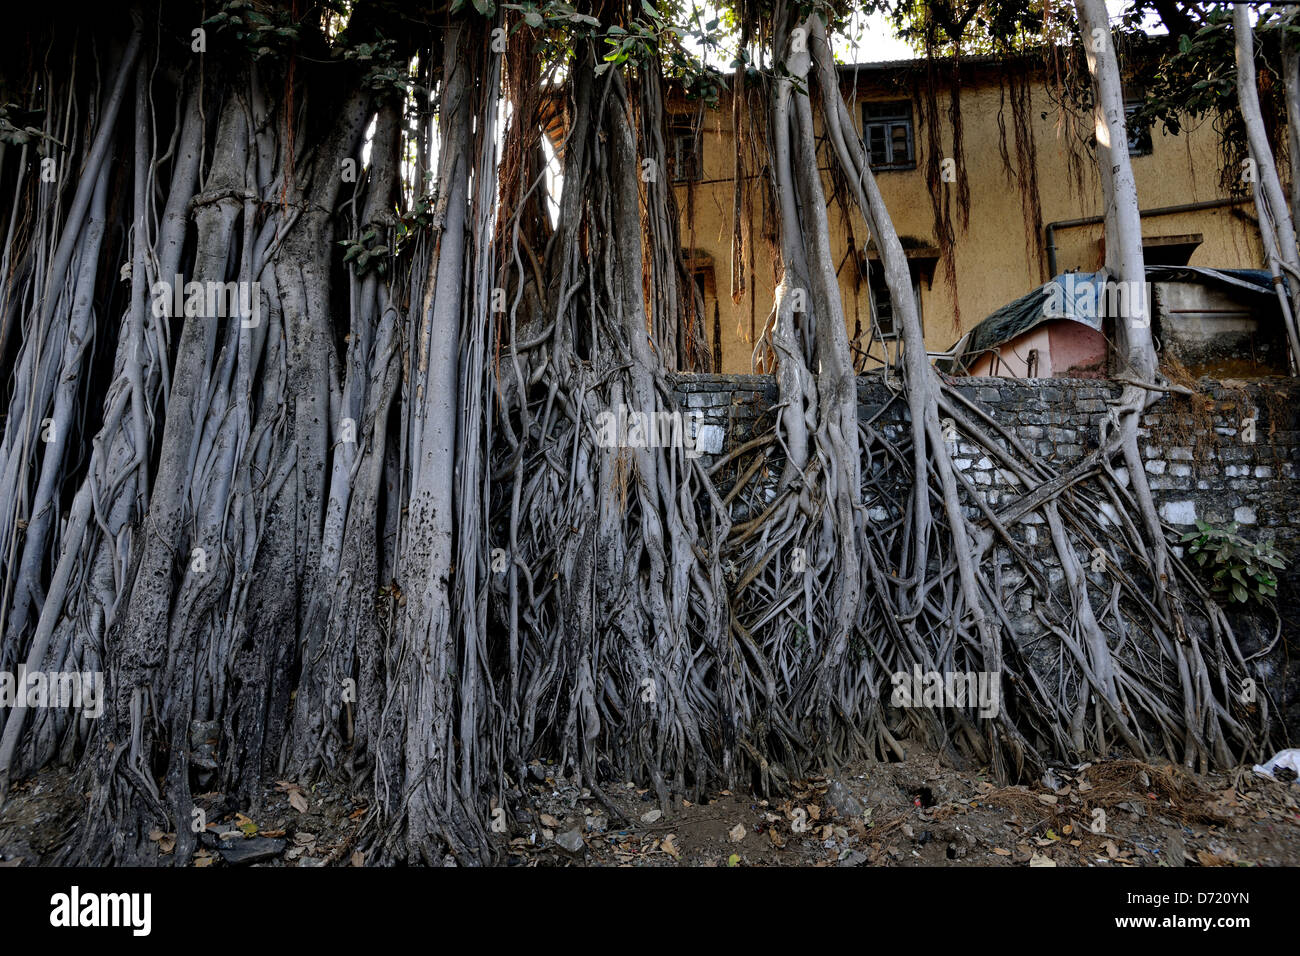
(1228, 453)
(1201, 462)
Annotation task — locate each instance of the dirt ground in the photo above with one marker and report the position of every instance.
(915, 813)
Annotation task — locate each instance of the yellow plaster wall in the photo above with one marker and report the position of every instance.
(996, 261)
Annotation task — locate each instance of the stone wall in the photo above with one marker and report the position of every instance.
(1201, 463)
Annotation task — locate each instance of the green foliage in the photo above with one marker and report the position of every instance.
(637, 42)
(364, 254)
(977, 26)
(1199, 79)
(387, 71)
(485, 7)
(411, 225)
(16, 135)
(260, 34)
(553, 15)
(1242, 569)
(658, 36)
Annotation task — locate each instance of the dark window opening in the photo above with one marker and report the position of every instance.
(1139, 134)
(882, 307)
(684, 150)
(702, 307)
(887, 133)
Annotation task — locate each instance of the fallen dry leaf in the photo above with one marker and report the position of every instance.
(669, 846)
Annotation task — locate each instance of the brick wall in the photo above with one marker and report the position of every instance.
(1199, 458)
(1199, 463)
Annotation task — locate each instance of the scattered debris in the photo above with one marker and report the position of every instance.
(918, 812)
(1284, 766)
(570, 840)
(841, 799)
(246, 850)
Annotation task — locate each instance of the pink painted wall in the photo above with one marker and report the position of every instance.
(1077, 350)
(1065, 350)
(1012, 360)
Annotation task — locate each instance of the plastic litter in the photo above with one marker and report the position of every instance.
(1286, 758)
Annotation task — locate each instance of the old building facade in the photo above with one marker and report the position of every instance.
(1021, 197)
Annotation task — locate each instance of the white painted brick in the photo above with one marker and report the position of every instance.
(1179, 512)
(709, 440)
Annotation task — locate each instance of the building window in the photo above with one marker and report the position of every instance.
(887, 132)
(882, 309)
(702, 312)
(684, 150)
(1139, 134)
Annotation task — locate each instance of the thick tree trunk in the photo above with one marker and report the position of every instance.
(1277, 228)
(1137, 356)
